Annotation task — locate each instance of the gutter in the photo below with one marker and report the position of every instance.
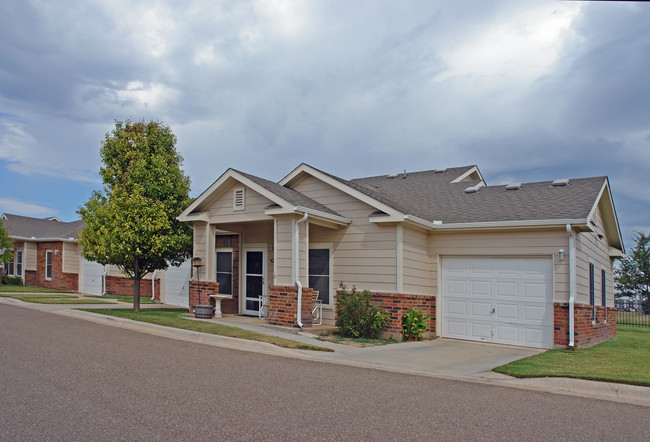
(572, 284)
(296, 266)
(34, 239)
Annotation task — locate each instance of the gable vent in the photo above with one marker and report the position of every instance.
(472, 189)
(238, 199)
(561, 182)
(513, 186)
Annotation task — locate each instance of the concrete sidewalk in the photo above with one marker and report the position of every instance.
(443, 358)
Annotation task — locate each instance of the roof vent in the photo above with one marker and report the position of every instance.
(562, 182)
(472, 189)
(392, 175)
(440, 170)
(513, 186)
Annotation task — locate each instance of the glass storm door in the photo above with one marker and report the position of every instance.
(254, 287)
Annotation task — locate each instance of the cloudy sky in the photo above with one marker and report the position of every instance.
(527, 90)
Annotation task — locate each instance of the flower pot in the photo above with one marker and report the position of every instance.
(203, 311)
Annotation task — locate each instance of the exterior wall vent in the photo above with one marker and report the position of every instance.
(472, 189)
(562, 182)
(513, 186)
(239, 199)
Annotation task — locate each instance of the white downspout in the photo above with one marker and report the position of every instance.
(104, 280)
(572, 284)
(296, 263)
(153, 285)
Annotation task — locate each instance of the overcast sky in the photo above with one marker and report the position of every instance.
(526, 90)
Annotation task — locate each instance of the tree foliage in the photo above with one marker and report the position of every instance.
(633, 275)
(132, 222)
(5, 245)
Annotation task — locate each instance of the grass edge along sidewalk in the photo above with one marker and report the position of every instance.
(624, 359)
(171, 317)
(51, 298)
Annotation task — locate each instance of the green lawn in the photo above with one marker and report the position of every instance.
(6, 288)
(129, 299)
(174, 317)
(624, 359)
(52, 299)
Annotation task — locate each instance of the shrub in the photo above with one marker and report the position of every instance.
(355, 317)
(12, 280)
(414, 323)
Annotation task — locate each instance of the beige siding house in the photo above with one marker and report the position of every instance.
(525, 264)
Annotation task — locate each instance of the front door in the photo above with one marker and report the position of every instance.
(254, 281)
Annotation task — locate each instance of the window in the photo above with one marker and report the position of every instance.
(19, 263)
(603, 290)
(319, 273)
(48, 264)
(592, 291)
(238, 199)
(224, 271)
(9, 267)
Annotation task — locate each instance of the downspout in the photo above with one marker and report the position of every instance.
(104, 280)
(153, 285)
(572, 284)
(296, 264)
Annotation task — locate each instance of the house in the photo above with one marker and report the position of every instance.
(47, 254)
(526, 264)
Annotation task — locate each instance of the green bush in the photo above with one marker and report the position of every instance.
(356, 318)
(12, 280)
(414, 323)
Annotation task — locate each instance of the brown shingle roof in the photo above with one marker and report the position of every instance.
(41, 228)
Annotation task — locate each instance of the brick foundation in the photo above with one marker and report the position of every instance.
(399, 303)
(587, 332)
(207, 288)
(122, 286)
(59, 280)
(283, 302)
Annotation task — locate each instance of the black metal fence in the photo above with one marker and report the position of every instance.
(636, 319)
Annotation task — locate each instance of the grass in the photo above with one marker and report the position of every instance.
(175, 318)
(624, 359)
(52, 299)
(6, 288)
(128, 299)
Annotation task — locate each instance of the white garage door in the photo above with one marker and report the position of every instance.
(501, 300)
(177, 284)
(91, 277)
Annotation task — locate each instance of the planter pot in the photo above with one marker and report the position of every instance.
(203, 311)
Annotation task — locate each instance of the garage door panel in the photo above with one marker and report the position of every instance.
(504, 300)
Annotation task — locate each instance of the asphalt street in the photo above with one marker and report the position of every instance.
(68, 379)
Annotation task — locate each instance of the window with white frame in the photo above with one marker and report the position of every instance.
(320, 277)
(224, 270)
(48, 264)
(19, 263)
(603, 290)
(592, 290)
(9, 266)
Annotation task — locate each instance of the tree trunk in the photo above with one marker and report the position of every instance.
(136, 287)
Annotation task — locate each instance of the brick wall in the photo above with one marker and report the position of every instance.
(586, 332)
(207, 288)
(59, 280)
(122, 286)
(283, 303)
(231, 306)
(398, 304)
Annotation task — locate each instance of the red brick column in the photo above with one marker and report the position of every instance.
(588, 331)
(207, 288)
(283, 304)
(123, 286)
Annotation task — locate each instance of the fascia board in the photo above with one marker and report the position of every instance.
(340, 186)
(606, 190)
(513, 224)
(201, 216)
(341, 220)
(23, 238)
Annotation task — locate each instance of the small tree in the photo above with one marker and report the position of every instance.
(132, 222)
(633, 276)
(5, 245)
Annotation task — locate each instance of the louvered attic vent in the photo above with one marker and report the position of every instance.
(513, 186)
(561, 182)
(238, 199)
(472, 189)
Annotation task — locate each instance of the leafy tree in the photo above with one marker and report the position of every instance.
(5, 245)
(132, 222)
(633, 276)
